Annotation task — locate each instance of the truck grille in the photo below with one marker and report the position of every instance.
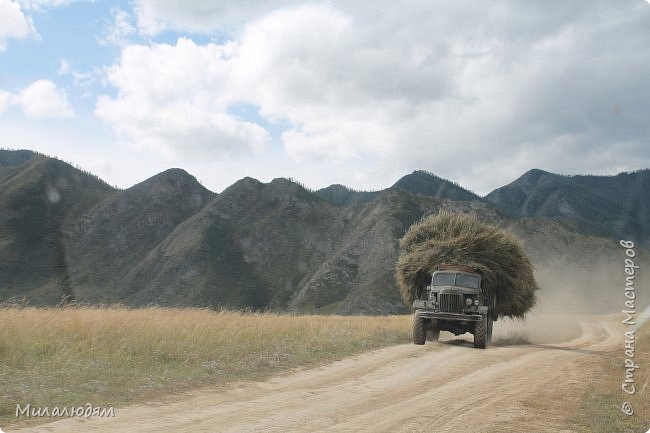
(450, 303)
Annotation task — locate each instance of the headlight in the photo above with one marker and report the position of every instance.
(476, 302)
(468, 301)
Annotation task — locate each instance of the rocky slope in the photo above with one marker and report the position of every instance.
(38, 197)
(611, 206)
(276, 245)
(109, 241)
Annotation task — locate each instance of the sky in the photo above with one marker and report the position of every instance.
(351, 92)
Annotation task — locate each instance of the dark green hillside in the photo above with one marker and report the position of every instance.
(341, 195)
(425, 183)
(36, 200)
(630, 192)
(279, 246)
(250, 246)
(11, 160)
(15, 158)
(611, 206)
(121, 231)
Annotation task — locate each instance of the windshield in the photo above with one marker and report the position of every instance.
(465, 280)
(462, 280)
(443, 279)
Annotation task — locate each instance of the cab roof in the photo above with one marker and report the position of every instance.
(460, 268)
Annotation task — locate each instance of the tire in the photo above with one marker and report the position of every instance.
(481, 333)
(419, 330)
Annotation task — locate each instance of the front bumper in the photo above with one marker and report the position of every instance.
(429, 310)
(430, 314)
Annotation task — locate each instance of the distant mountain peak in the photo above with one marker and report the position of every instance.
(174, 171)
(170, 179)
(533, 176)
(616, 206)
(171, 173)
(14, 158)
(284, 183)
(243, 184)
(428, 184)
(342, 195)
(536, 172)
(284, 189)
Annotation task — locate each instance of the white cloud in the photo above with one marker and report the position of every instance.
(13, 23)
(39, 5)
(64, 67)
(471, 91)
(494, 87)
(200, 16)
(82, 80)
(119, 30)
(42, 99)
(171, 100)
(5, 97)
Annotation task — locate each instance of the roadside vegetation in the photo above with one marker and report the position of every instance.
(113, 356)
(600, 409)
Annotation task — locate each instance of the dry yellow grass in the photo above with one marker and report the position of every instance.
(112, 356)
(600, 408)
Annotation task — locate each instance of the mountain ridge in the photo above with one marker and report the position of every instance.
(611, 206)
(276, 245)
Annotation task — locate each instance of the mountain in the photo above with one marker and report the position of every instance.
(419, 182)
(610, 206)
(274, 246)
(341, 195)
(425, 183)
(38, 196)
(9, 161)
(117, 234)
(278, 246)
(630, 192)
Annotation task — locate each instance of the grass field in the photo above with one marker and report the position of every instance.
(600, 408)
(112, 356)
(64, 357)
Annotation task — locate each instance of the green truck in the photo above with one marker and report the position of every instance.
(456, 302)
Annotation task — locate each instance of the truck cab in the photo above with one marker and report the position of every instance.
(454, 301)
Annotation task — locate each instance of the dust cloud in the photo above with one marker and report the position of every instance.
(570, 293)
(536, 329)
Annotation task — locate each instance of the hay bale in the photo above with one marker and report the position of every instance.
(463, 240)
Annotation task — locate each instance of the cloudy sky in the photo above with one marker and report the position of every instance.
(351, 92)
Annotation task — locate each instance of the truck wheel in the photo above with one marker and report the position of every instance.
(481, 333)
(419, 330)
(433, 334)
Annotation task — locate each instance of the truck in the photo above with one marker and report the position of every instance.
(454, 301)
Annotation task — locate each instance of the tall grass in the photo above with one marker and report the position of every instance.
(600, 410)
(112, 356)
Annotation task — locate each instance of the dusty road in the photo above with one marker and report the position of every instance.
(443, 387)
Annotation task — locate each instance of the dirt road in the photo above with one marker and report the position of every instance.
(443, 387)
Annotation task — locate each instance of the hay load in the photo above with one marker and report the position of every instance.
(462, 240)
